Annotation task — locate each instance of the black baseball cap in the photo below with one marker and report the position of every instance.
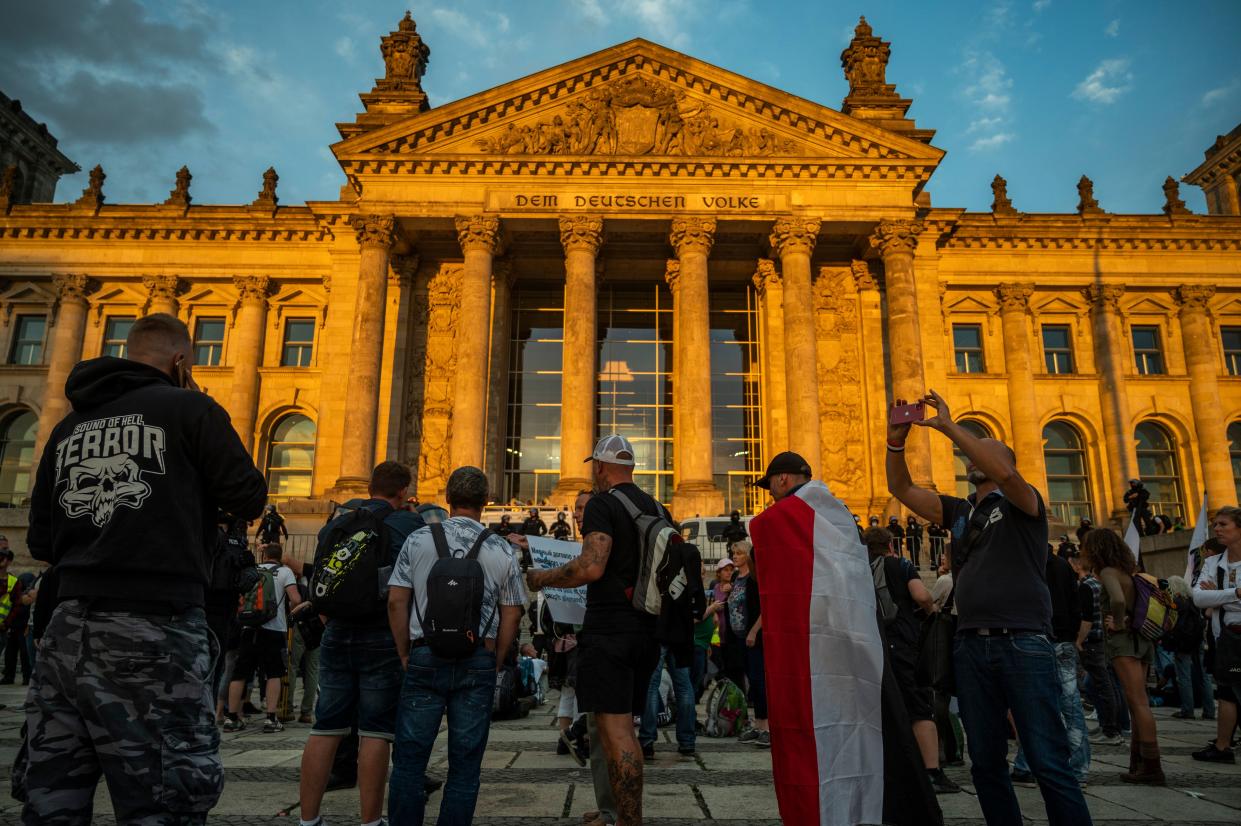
(786, 462)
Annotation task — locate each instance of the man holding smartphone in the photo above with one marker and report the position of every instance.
(1003, 656)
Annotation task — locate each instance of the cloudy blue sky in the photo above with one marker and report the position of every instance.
(1041, 91)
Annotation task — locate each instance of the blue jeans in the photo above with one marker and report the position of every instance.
(683, 691)
(359, 682)
(698, 672)
(1184, 665)
(465, 689)
(1071, 712)
(1017, 673)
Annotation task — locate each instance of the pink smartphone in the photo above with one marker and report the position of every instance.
(908, 413)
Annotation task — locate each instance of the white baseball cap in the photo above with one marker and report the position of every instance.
(613, 449)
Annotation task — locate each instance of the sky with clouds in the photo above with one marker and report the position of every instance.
(1040, 91)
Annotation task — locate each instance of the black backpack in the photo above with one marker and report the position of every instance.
(231, 565)
(454, 599)
(352, 565)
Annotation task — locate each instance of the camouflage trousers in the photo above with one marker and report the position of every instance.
(125, 696)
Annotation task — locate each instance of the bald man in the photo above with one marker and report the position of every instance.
(1003, 656)
(124, 505)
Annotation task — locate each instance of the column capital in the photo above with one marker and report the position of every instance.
(765, 275)
(1014, 297)
(794, 235)
(374, 230)
(863, 278)
(896, 236)
(479, 232)
(672, 273)
(402, 269)
(581, 232)
(692, 235)
(72, 287)
(503, 273)
(162, 286)
(1193, 298)
(252, 288)
(1104, 297)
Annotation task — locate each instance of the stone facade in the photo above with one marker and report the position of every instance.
(639, 165)
(30, 163)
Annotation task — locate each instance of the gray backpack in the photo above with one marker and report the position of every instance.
(661, 564)
(883, 595)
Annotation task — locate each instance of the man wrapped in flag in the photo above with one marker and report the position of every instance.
(842, 749)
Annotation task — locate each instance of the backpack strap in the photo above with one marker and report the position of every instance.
(627, 502)
(478, 543)
(441, 543)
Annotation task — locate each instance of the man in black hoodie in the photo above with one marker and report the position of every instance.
(124, 505)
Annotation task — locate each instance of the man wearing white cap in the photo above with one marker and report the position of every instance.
(617, 651)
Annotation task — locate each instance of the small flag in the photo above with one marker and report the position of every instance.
(1196, 541)
(1133, 539)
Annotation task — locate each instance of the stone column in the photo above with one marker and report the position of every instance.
(162, 294)
(693, 447)
(1202, 361)
(874, 379)
(672, 276)
(375, 234)
(771, 295)
(581, 236)
(793, 240)
(1111, 355)
(1023, 414)
(1230, 198)
(246, 344)
(896, 240)
(497, 374)
(68, 328)
(480, 240)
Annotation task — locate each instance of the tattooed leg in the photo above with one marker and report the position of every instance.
(624, 756)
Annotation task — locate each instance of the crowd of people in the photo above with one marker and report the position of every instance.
(409, 615)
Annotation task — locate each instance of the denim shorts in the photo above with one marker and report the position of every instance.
(359, 682)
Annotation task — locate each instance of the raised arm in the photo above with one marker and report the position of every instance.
(921, 501)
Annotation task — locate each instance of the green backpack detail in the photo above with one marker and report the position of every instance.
(259, 603)
(727, 714)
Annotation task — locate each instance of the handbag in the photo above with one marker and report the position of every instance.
(934, 664)
(1227, 645)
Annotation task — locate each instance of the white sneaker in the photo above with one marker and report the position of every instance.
(748, 736)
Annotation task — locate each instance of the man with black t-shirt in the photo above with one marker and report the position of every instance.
(617, 651)
(1003, 657)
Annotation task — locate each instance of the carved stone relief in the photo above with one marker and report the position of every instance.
(841, 392)
(443, 295)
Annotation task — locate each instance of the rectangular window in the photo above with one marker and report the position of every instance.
(114, 334)
(1232, 349)
(208, 341)
(1057, 349)
(967, 344)
(28, 340)
(299, 342)
(1147, 352)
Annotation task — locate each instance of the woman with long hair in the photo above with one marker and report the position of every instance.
(1105, 554)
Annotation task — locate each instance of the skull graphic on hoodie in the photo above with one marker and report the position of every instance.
(100, 466)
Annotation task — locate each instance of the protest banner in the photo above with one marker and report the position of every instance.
(568, 605)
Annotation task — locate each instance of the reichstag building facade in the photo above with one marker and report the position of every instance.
(637, 241)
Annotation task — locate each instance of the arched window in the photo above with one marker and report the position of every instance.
(1068, 480)
(291, 457)
(1234, 450)
(1159, 469)
(17, 434)
(959, 461)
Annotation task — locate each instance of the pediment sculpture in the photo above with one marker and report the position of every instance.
(636, 116)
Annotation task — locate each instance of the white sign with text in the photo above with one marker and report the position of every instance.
(568, 605)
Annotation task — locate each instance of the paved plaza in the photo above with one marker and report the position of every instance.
(525, 782)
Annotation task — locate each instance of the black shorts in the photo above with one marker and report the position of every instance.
(263, 649)
(919, 699)
(1228, 693)
(614, 672)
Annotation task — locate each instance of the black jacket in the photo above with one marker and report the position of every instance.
(128, 487)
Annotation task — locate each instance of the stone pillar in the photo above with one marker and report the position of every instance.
(581, 236)
(771, 296)
(693, 446)
(498, 371)
(162, 294)
(1202, 361)
(375, 234)
(874, 379)
(793, 240)
(68, 328)
(895, 240)
(672, 276)
(1111, 355)
(1229, 197)
(246, 344)
(480, 240)
(1023, 414)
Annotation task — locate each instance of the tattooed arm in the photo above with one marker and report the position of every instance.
(588, 567)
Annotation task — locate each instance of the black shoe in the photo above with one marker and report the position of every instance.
(648, 751)
(1211, 754)
(687, 751)
(941, 784)
(335, 782)
(1023, 779)
(562, 744)
(569, 747)
(430, 785)
(6, 681)
(955, 763)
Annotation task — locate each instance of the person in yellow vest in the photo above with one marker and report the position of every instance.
(12, 596)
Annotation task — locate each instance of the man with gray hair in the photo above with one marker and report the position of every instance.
(435, 682)
(124, 504)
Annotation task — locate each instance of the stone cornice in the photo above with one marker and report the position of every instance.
(692, 235)
(1014, 297)
(1193, 297)
(1219, 160)
(581, 232)
(374, 230)
(479, 232)
(1070, 232)
(896, 236)
(765, 275)
(794, 235)
(69, 222)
